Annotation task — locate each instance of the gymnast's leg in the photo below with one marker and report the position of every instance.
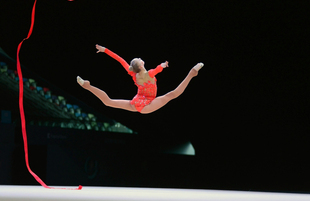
(160, 101)
(121, 104)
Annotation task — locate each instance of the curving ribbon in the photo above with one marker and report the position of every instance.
(21, 107)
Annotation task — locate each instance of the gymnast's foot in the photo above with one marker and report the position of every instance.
(196, 68)
(84, 83)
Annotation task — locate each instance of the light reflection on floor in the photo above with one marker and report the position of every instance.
(30, 193)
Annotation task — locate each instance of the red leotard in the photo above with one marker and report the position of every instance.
(146, 92)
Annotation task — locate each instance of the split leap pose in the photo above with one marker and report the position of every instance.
(145, 101)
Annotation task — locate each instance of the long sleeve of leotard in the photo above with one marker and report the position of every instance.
(155, 71)
(119, 59)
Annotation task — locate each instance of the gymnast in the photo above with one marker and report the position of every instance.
(145, 101)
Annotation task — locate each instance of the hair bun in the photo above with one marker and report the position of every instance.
(130, 68)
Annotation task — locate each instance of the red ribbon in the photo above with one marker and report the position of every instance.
(21, 107)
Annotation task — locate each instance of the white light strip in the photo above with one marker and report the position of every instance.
(33, 193)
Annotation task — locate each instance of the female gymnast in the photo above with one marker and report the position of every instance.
(145, 101)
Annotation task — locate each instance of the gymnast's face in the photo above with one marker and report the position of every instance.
(141, 62)
(137, 65)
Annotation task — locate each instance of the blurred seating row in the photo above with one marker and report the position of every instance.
(90, 120)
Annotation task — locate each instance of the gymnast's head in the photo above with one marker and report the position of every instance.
(136, 65)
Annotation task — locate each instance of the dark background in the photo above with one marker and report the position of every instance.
(246, 113)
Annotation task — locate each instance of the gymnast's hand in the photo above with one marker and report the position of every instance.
(165, 64)
(100, 48)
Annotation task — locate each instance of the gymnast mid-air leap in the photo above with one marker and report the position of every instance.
(145, 101)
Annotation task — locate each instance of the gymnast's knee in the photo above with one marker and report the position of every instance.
(108, 102)
(171, 95)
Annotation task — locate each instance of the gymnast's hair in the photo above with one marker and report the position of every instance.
(134, 65)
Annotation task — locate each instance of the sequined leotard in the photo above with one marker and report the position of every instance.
(146, 92)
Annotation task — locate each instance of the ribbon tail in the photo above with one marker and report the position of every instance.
(21, 106)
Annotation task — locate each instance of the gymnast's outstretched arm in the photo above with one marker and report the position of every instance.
(114, 56)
